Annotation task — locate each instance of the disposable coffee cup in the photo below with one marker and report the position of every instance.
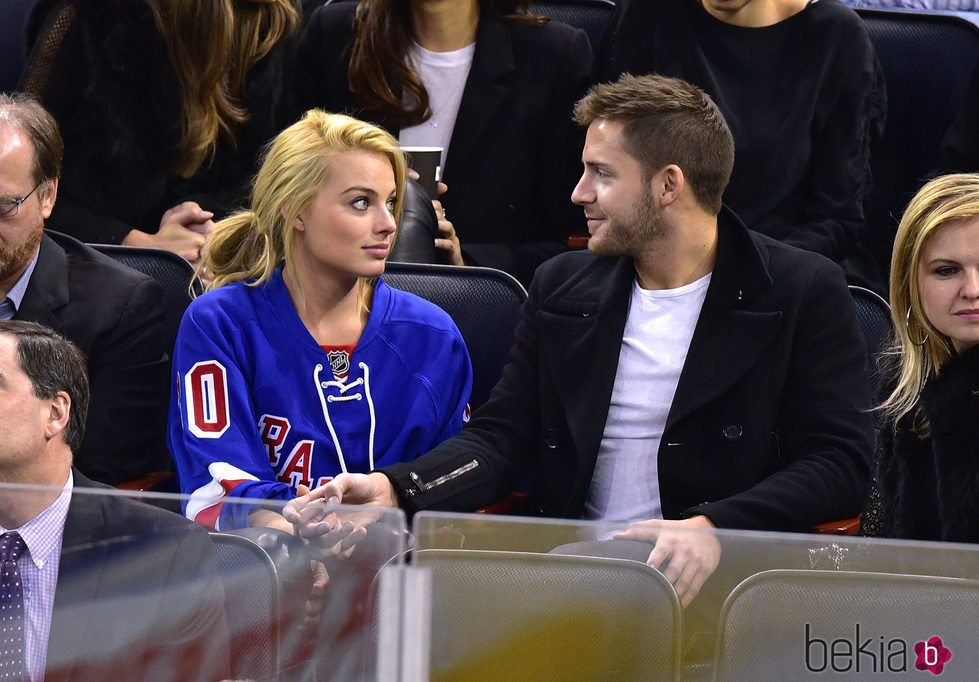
(426, 161)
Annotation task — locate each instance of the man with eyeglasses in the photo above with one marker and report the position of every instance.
(114, 314)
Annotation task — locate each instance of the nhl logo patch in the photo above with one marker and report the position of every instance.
(339, 361)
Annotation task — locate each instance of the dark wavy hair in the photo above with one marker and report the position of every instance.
(380, 79)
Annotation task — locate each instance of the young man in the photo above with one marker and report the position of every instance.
(684, 372)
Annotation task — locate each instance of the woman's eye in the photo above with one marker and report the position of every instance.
(391, 203)
(946, 271)
(360, 203)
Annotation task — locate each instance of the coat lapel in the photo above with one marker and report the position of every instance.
(730, 334)
(486, 90)
(581, 327)
(79, 579)
(47, 291)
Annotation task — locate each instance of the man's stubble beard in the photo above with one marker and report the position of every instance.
(645, 226)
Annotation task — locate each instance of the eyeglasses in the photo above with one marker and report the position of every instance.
(9, 207)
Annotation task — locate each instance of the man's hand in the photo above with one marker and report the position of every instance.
(184, 229)
(448, 241)
(686, 551)
(370, 489)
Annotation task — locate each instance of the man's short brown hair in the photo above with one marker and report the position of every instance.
(26, 113)
(667, 120)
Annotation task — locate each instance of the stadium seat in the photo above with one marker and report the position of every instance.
(251, 595)
(174, 274)
(528, 616)
(789, 624)
(591, 16)
(483, 302)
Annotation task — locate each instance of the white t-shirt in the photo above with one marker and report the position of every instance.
(658, 329)
(444, 76)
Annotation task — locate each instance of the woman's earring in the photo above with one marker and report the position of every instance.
(924, 340)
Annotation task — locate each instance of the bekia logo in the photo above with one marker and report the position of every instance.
(932, 655)
(872, 654)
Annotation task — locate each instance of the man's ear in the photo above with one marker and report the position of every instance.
(59, 409)
(49, 194)
(669, 183)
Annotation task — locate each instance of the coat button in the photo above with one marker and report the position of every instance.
(550, 439)
(732, 432)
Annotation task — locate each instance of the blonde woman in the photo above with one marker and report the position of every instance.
(928, 465)
(163, 106)
(299, 363)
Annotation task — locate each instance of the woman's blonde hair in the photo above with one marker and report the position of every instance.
(249, 245)
(212, 45)
(919, 347)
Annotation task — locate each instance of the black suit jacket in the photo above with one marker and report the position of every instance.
(138, 595)
(515, 154)
(115, 316)
(769, 427)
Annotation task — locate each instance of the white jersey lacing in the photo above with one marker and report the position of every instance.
(343, 387)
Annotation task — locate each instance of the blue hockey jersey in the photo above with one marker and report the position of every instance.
(257, 408)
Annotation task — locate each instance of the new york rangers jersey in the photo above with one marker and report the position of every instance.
(257, 407)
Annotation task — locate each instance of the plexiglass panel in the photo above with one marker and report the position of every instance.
(773, 605)
(133, 590)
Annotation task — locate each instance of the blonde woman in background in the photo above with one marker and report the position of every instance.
(299, 362)
(928, 466)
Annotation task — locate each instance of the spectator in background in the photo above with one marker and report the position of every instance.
(802, 90)
(492, 87)
(114, 314)
(96, 586)
(299, 363)
(928, 461)
(163, 105)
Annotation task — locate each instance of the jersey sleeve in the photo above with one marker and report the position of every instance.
(212, 431)
(451, 388)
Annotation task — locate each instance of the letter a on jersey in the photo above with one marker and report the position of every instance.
(206, 393)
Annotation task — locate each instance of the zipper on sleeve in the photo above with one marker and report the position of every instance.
(421, 486)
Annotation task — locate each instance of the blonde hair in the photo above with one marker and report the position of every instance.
(249, 245)
(212, 45)
(920, 348)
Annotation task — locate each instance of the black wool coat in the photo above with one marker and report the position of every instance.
(769, 427)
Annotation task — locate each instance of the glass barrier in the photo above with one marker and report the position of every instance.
(118, 586)
(115, 586)
(516, 598)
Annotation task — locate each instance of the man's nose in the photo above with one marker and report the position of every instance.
(582, 193)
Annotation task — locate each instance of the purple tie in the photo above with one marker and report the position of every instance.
(12, 645)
